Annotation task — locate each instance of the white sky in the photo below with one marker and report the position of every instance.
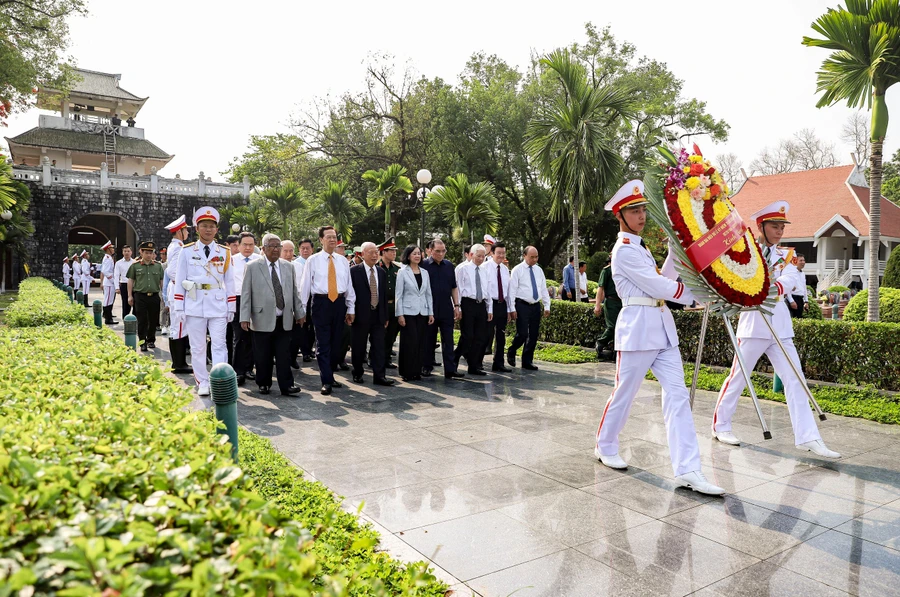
(216, 76)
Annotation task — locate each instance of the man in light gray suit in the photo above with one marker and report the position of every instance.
(270, 306)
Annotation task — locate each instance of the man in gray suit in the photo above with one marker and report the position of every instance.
(270, 306)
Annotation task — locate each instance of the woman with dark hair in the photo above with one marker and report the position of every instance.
(415, 310)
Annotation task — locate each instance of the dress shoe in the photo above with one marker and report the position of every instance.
(250, 375)
(264, 390)
(384, 382)
(203, 390)
(817, 446)
(182, 370)
(511, 359)
(291, 391)
(530, 367)
(144, 347)
(437, 364)
(307, 358)
(502, 369)
(343, 366)
(727, 437)
(612, 461)
(151, 345)
(391, 366)
(477, 372)
(358, 379)
(337, 384)
(454, 375)
(393, 353)
(241, 379)
(698, 483)
(295, 364)
(427, 374)
(326, 389)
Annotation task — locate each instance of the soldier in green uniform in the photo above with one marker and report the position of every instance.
(388, 251)
(144, 285)
(609, 300)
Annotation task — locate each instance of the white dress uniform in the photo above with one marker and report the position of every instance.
(108, 277)
(76, 275)
(204, 293)
(177, 330)
(66, 272)
(755, 339)
(646, 339)
(86, 276)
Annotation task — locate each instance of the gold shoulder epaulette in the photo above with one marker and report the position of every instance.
(188, 245)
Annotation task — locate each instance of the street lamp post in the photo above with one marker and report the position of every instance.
(424, 177)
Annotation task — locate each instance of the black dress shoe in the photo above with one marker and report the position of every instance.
(182, 370)
(502, 369)
(291, 391)
(358, 379)
(427, 374)
(250, 375)
(477, 372)
(151, 344)
(306, 358)
(295, 364)
(454, 375)
(144, 347)
(326, 389)
(343, 366)
(391, 366)
(337, 384)
(241, 379)
(530, 367)
(437, 364)
(384, 382)
(264, 389)
(511, 359)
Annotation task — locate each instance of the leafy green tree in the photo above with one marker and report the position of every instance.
(892, 270)
(272, 160)
(8, 189)
(256, 216)
(283, 201)
(890, 179)
(384, 185)
(570, 144)
(865, 61)
(465, 205)
(338, 209)
(17, 230)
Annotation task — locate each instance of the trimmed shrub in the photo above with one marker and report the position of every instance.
(41, 303)
(596, 263)
(888, 306)
(892, 270)
(814, 311)
(838, 288)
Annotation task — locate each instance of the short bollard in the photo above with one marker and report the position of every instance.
(777, 385)
(79, 297)
(223, 388)
(98, 313)
(834, 311)
(70, 294)
(131, 331)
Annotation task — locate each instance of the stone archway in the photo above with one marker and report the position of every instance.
(94, 229)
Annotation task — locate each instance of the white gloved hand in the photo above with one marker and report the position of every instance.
(230, 317)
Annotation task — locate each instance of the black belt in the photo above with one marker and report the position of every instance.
(518, 300)
(147, 293)
(325, 296)
(465, 298)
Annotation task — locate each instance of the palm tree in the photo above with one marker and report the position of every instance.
(339, 209)
(15, 231)
(283, 201)
(255, 216)
(8, 191)
(386, 184)
(570, 142)
(464, 204)
(865, 38)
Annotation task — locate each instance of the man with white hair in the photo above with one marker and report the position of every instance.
(477, 310)
(370, 286)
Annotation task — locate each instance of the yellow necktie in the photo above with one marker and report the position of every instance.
(332, 280)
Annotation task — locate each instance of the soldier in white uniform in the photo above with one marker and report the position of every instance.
(108, 282)
(755, 338)
(646, 339)
(177, 330)
(86, 276)
(76, 273)
(67, 271)
(204, 293)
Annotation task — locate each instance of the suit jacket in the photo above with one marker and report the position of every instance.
(359, 278)
(410, 299)
(258, 296)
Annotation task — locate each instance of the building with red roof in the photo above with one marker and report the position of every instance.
(829, 218)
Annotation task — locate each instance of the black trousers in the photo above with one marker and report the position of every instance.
(390, 336)
(528, 322)
(277, 344)
(146, 309)
(126, 308)
(242, 345)
(303, 337)
(445, 326)
(497, 332)
(328, 319)
(412, 345)
(798, 312)
(346, 339)
(367, 328)
(474, 325)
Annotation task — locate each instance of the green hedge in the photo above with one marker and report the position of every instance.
(110, 485)
(41, 303)
(888, 306)
(838, 288)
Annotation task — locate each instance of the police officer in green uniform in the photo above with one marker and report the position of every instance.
(388, 251)
(144, 285)
(611, 305)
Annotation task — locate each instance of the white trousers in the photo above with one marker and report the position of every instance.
(66, 279)
(177, 327)
(196, 329)
(802, 419)
(85, 285)
(631, 367)
(109, 295)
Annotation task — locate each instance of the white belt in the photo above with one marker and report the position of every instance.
(643, 301)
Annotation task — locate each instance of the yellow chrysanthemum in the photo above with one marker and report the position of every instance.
(692, 183)
(696, 159)
(687, 170)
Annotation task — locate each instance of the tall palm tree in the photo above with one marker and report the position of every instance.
(384, 185)
(465, 204)
(15, 231)
(570, 142)
(339, 209)
(865, 37)
(284, 200)
(256, 216)
(8, 192)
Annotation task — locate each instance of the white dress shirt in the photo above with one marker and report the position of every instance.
(121, 269)
(315, 278)
(492, 268)
(582, 283)
(277, 267)
(520, 285)
(238, 265)
(465, 282)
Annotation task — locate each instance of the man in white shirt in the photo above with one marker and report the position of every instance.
(66, 271)
(326, 285)
(242, 354)
(121, 280)
(477, 310)
(304, 335)
(498, 278)
(528, 291)
(582, 283)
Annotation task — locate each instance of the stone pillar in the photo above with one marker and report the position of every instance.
(47, 177)
(104, 175)
(154, 180)
(246, 186)
(201, 189)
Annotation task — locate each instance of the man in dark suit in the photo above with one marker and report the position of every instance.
(370, 286)
(446, 307)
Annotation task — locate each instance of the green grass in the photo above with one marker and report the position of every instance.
(552, 353)
(849, 401)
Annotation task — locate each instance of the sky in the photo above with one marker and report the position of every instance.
(216, 77)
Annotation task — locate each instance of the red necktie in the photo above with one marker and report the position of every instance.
(500, 286)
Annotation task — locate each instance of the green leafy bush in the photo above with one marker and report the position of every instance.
(41, 303)
(596, 263)
(110, 485)
(892, 270)
(814, 311)
(838, 288)
(888, 306)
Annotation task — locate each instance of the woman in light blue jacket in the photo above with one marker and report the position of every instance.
(415, 310)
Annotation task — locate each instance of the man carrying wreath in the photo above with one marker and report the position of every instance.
(755, 338)
(646, 338)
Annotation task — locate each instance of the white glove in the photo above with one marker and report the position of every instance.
(230, 317)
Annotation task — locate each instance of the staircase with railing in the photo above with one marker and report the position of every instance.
(109, 146)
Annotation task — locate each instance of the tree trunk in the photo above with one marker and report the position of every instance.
(874, 227)
(575, 255)
(389, 224)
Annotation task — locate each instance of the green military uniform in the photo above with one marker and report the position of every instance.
(393, 327)
(612, 304)
(146, 285)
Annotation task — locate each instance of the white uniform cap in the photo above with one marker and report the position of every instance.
(207, 212)
(773, 212)
(630, 195)
(177, 225)
(106, 246)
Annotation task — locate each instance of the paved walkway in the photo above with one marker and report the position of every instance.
(494, 481)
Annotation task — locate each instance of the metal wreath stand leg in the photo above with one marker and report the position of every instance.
(699, 354)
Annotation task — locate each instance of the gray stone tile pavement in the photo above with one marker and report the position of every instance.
(494, 481)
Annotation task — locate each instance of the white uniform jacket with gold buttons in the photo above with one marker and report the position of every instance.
(785, 275)
(107, 271)
(209, 291)
(644, 327)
